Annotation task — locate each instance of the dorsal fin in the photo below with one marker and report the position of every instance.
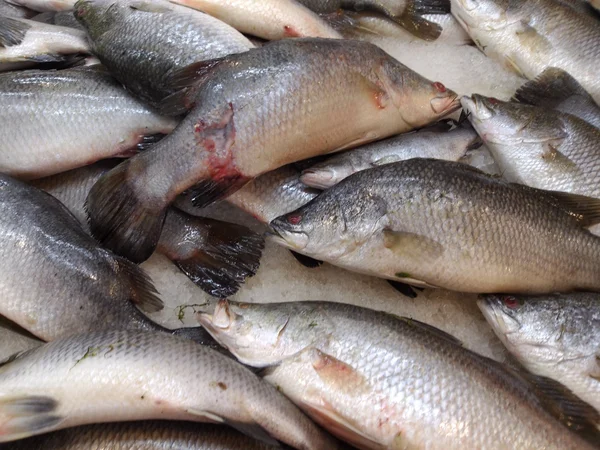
(550, 88)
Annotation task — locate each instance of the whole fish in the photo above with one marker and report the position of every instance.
(118, 376)
(145, 435)
(408, 13)
(54, 121)
(539, 147)
(144, 62)
(531, 35)
(383, 381)
(23, 40)
(217, 256)
(444, 224)
(243, 127)
(56, 280)
(440, 144)
(557, 336)
(14, 339)
(556, 89)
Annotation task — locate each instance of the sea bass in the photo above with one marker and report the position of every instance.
(385, 382)
(331, 94)
(539, 147)
(145, 62)
(440, 144)
(53, 121)
(121, 376)
(532, 35)
(444, 224)
(217, 256)
(557, 336)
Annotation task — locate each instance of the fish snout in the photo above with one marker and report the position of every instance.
(283, 234)
(446, 100)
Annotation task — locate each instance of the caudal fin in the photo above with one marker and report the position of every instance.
(119, 219)
(24, 416)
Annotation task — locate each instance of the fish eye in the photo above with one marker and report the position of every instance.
(511, 302)
(295, 219)
(439, 86)
(494, 101)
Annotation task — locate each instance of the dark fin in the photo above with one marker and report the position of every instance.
(149, 7)
(404, 289)
(430, 6)
(217, 256)
(432, 330)
(348, 24)
(563, 404)
(419, 27)
(550, 88)
(143, 293)
(253, 430)
(440, 126)
(48, 58)
(28, 415)
(118, 220)
(148, 141)
(306, 261)
(185, 83)
(206, 192)
(12, 31)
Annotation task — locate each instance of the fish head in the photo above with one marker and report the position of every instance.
(259, 335)
(99, 16)
(409, 91)
(482, 14)
(527, 326)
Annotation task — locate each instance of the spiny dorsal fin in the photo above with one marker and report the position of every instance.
(12, 31)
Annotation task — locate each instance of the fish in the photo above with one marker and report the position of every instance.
(62, 18)
(23, 40)
(144, 62)
(46, 5)
(539, 147)
(381, 381)
(426, 143)
(364, 95)
(55, 121)
(147, 435)
(57, 280)
(532, 35)
(556, 89)
(14, 339)
(410, 14)
(120, 376)
(556, 335)
(217, 256)
(266, 19)
(434, 223)
(9, 9)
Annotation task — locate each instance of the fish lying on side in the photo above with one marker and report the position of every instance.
(14, 339)
(557, 336)
(242, 128)
(53, 121)
(531, 35)
(426, 143)
(266, 19)
(408, 13)
(116, 376)
(26, 41)
(57, 280)
(435, 223)
(537, 146)
(217, 256)
(556, 89)
(144, 62)
(144, 435)
(381, 381)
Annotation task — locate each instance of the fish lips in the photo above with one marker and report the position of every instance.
(445, 105)
(278, 232)
(503, 324)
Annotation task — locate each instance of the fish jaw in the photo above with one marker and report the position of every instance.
(282, 235)
(503, 325)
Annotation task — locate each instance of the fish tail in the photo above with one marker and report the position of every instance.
(549, 89)
(217, 256)
(119, 219)
(429, 6)
(27, 415)
(142, 291)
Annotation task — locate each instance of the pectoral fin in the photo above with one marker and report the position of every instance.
(412, 246)
(338, 375)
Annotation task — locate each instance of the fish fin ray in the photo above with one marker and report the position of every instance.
(553, 156)
(28, 415)
(12, 31)
(142, 291)
(389, 159)
(148, 141)
(338, 374)
(550, 88)
(306, 261)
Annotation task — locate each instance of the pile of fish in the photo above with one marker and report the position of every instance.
(124, 121)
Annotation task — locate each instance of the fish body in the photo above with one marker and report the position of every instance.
(439, 223)
(266, 19)
(46, 5)
(445, 145)
(380, 381)
(116, 376)
(58, 120)
(557, 336)
(539, 147)
(530, 36)
(144, 62)
(332, 94)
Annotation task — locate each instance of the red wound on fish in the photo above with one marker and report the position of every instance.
(510, 302)
(295, 219)
(439, 86)
(290, 31)
(493, 100)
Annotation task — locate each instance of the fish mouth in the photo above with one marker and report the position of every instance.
(476, 107)
(445, 105)
(495, 318)
(294, 240)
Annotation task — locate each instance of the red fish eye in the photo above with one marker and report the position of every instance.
(294, 220)
(510, 302)
(439, 86)
(494, 101)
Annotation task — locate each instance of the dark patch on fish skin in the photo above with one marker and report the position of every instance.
(222, 385)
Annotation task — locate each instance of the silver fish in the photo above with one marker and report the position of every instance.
(125, 375)
(14, 339)
(444, 224)
(557, 336)
(385, 382)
